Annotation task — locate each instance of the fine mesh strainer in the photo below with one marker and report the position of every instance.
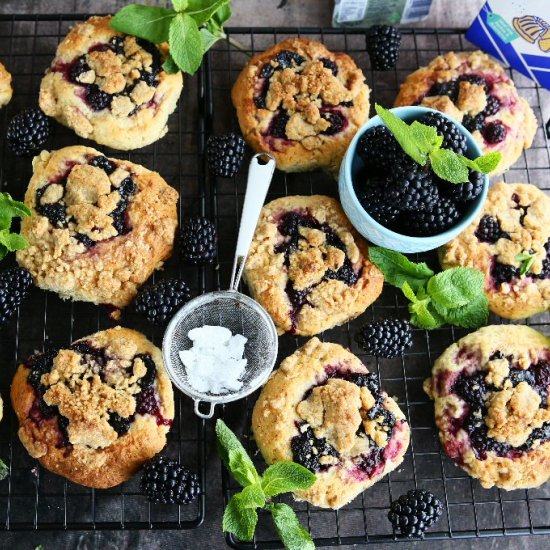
(230, 309)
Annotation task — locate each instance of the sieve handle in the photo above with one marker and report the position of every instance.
(259, 178)
(206, 415)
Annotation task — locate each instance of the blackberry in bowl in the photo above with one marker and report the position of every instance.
(395, 202)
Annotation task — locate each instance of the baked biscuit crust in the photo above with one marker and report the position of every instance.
(304, 110)
(68, 425)
(522, 212)
(491, 405)
(6, 90)
(91, 70)
(308, 267)
(324, 388)
(95, 236)
(471, 99)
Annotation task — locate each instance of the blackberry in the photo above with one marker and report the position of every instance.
(28, 131)
(79, 67)
(308, 449)
(55, 212)
(104, 163)
(117, 44)
(286, 59)
(267, 71)
(148, 379)
(492, 107)
(411, 187)
(379, 149)
(369, 462)
(375, 200)
(14, 287)
(503, 273)
(450, 89)
(146, 401)
(337, 122)
(415, 512)
(127, 188)
(225, 154)
(474, 79)
(198, 241)
(277, 126)
(494, 132)
(119, 424)
(388, 338)
(489, 231)
(329, 64)
(297, 298)
(346, 273)
(473, 123)
(40, 364)
(464, 192)
(150, 48)
(150, 78)
(453, 138)
(473, 389)
(383, 44)
(160, 301)
(369, 381)
(166, 481)
(438, 219)
(517, 376)
(97, 99)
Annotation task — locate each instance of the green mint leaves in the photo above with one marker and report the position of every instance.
(4, 470)
(455, 296)
(423, 144)
(191, 28)
(527, 260)
(240, 516)
(9, 209)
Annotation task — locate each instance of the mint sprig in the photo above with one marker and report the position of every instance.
(240, 516)
(9, 209)
(423, 144)
(455, 296)
(527, 260)
(190, 29)
(4, 470)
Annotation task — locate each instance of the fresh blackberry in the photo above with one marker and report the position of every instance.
(450, 89)
(464, 192)
(119, 424)
(277, 126)
(489, 231)
(337, 122)
(329, 64)
(438, 219)
(225, 154)
(28, 131)
(148, 379)
(492, 107)
(198, 241)
(14, 287)
(98, 99)
(503, 273)
(379, 149)
(494, 132)
(411, 187)
(104, 163)
(79, 67)
(388, 338)
(473, 123)
(308, 449)
(160, 301)
(375, 200)
(453, 138)
(166, 481)
(383, 44)
(415, 512)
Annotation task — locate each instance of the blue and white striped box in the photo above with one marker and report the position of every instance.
(518, 33)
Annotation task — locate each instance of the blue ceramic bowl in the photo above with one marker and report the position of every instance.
(351, 167)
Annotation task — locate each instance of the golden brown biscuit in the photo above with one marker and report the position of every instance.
(5, 86)
(99, 227)
(109, 87)
(513, 227)
(474, 89)
(302, 103)
(491, 405)
(323, 409)
(95, 411)
(308, 267)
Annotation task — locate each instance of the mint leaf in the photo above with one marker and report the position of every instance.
(485, 163)
(240, 519)
(448, 166)
(3, 251)
(293, 535)
(4, 470)
(423, 315)
(527, 261)
(285, 477)
(180, 5)
(202, 10)
(252, 496)
(9, 209)
(170, 66)
(456, 287)
(473, 315)
(242, 468)
(426, 137)
(12, 241)
(222, 15)
(402, 134)
(185, 43)
(209, 39)
(149, 22)
(398, 269)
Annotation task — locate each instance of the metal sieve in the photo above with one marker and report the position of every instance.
(230, 309)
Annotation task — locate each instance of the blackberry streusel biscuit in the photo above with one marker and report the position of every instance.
(474, 89)
(323, 409)
(308, 267)
(109, 87)
(99, 227)
(5, 86)
(96, 410)
(491, 405)
(510, 244)
(302, 103)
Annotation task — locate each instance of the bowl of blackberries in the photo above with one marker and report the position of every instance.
(413, 178)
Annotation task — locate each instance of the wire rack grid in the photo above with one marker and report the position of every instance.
(31, 497)
(470, 510)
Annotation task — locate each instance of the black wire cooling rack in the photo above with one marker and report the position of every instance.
(470, 510)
